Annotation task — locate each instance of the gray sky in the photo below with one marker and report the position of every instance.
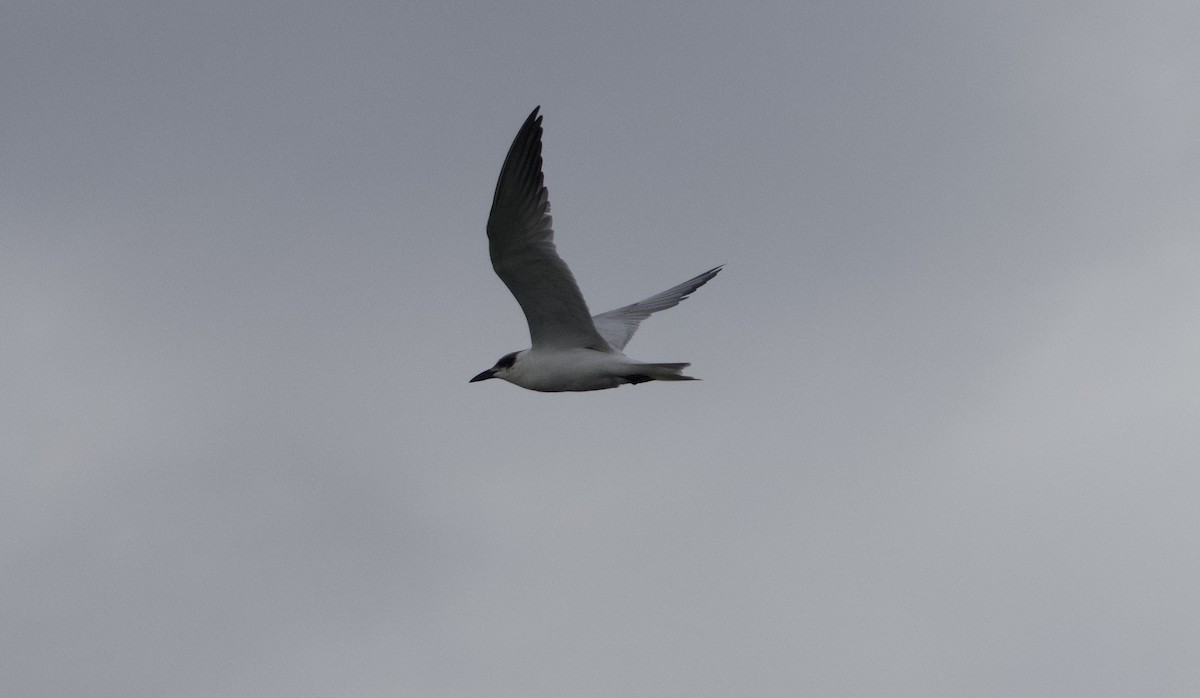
(946, 443)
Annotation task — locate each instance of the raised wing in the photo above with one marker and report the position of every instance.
(521, 242)
(617, 326)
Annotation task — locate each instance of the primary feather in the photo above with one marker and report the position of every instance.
(617, 326)
(521, 243)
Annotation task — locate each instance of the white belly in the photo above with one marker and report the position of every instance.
(571, 369)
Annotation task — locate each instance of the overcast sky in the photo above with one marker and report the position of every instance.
(947, 441)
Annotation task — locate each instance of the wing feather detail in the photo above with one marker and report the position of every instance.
(617, 326)
(521, 244)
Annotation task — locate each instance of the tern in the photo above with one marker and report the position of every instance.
(572, 350)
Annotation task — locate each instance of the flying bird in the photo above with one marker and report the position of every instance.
(572, 349)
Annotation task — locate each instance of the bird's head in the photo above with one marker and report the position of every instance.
(501, 369)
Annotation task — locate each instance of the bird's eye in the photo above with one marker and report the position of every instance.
(507, 360)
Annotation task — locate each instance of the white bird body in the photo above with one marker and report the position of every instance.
(579, 369)
(572, 350)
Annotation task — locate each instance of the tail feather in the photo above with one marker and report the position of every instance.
(659, 372)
